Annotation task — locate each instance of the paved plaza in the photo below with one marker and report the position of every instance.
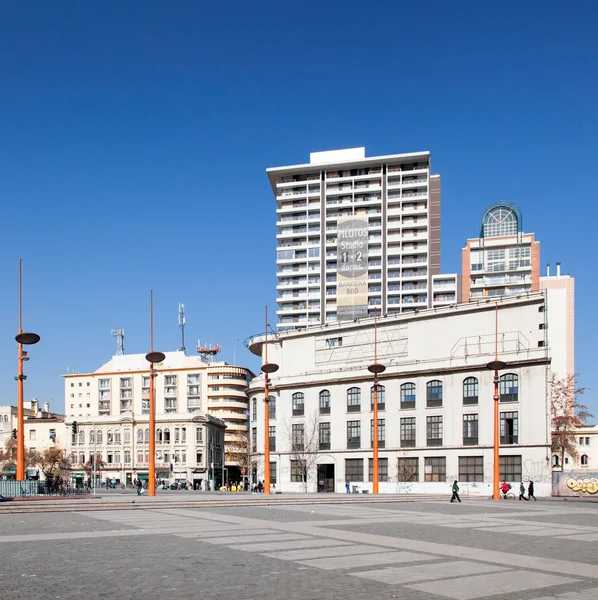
(415, 550)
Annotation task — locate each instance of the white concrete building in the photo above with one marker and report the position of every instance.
(435, 401)
(356, 236)
(195, 401)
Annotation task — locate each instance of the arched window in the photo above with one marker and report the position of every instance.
(556, 461)
(353, 399)
(381, 397)
(117, 438)
(500, 221)
(509, 387)
(470, 390)
(584, 460)
(408, 395)
(99, 436)
(167, 435)
(298, 400)
(324, 402)
(81, 437)
(146, 436)
(109, 438)
(158, 436)
(140, 436)
(434, 393)
(92, 437)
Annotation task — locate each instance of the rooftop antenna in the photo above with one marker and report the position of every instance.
(182, 322)
(119, 334)
(207, 352)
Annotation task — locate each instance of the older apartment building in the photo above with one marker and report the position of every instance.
(200, 407)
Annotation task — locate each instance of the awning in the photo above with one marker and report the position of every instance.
(78, 476)
(162, 475)
(142, 476)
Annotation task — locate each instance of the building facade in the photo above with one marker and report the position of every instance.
(356, 236)
(435, 400)
(503, 261)
(195, 402)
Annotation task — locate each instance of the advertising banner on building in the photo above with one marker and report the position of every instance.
(575, 483)
(351, 268)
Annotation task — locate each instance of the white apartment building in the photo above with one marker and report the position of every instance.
(195, 401)
(435, 400)
(356, 236)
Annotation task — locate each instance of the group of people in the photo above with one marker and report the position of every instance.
(505, 487)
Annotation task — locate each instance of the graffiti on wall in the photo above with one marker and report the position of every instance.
(575, 484)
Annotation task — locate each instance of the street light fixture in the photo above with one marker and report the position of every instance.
(23, 339)
(376, 368)
(152, 357)
(267, 368)
(496, 366)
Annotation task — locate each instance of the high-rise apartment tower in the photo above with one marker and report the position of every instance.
(356, 236)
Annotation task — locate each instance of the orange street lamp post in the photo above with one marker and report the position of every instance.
(152, 357)
(267, 368)
(496, 365)
(376, 369)
(23, 339)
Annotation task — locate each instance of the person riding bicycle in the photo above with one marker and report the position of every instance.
(504, 488)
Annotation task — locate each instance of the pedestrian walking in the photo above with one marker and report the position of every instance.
(455, 491)
(347, 487)
(522, 491)
(530, 491)
(139, 487)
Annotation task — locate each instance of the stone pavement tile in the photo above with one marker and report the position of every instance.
(586, 594)
(234, 540)
(582, 537)
(440, 570)
(511, 528)
(290, 545)
(234, 533)
(465, 524)
(549, 532)
(482, 586)
(324, 552)
(367, 560)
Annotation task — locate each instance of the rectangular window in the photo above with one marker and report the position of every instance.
(272, 407)
(117, 458)
(470, 430)
(297, 437)
(408, 469)
(199, 435)
(435, 468)
(434, 431)
(254, 409)
(32, 434)
(193, 392)
(407, 430)
(509, 428)
(510, 468)
(334, 342)
(381, 433)
(382, 469)
(254, 439)
(273, 472)
(272, 437)
(471, 468)
(354, 469)
(324, 436)
(298, 471)
(127, 454)
(353, 434)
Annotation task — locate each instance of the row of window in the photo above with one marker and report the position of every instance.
(509, 433)
(163, 436)
(114, 457)
(508, 391)
(471, 469)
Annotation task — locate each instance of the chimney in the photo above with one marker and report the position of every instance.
(34, 406)
(558, 269)
(46, 407)
(547, 270)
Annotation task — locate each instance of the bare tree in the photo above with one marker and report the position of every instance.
(237, 450)
(93, 466)
(566, 415)
(8, 457)
(52, 462)
(406, 469)
(303, 440)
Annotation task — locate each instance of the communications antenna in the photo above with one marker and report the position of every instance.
(182, 322)
(207, 352)
(119, 334)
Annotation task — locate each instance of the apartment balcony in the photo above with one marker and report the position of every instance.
(286, 209)
(296, 270)
(415, 261)
(287, 298)
(285, 194)
(297, 180)
(293, 322)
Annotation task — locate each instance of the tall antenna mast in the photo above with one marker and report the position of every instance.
(182, 322)
(119, 334)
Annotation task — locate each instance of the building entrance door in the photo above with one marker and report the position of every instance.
(326, 478)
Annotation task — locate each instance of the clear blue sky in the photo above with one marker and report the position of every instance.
(134, 138)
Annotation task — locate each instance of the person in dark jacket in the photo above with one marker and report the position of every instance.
(522, 491)
(455, 491)
(530, 491)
